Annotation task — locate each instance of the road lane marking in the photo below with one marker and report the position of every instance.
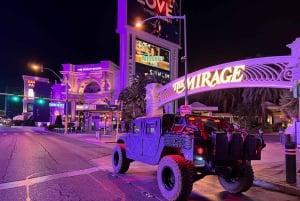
(36, 180)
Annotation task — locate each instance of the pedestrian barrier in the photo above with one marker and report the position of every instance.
(281, 136)
(98, 136)
(290, 161)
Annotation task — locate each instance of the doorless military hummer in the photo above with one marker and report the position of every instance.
(188, 148)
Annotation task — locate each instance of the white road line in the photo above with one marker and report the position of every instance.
(28, 182)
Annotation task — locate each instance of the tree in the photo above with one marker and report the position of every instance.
(132, 98)
(226, 99)
(58, 121)
(260, 96)
(246, 114)
(288, 105)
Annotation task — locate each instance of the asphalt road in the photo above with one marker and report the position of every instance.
(40, 166)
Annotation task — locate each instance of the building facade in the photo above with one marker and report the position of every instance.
(90, 99)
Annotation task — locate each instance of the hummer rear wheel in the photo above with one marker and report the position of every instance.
(240, 180)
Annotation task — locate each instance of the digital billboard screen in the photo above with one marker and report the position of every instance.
(151, 59)
(168, 29)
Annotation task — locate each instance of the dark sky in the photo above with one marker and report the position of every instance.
(53, 32)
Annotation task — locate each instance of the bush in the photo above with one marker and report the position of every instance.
(52, 126)
(58, 121)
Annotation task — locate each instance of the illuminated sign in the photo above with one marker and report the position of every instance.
(86, 107)
(152, 60)
(61, 105)
(161, 7)
(152, 55)
(167, 29)
(89, 69)
(211, 78)
(31, 83)
(30, 93)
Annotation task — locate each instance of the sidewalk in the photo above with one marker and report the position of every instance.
(269, 172)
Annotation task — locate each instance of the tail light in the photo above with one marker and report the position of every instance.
(200, 150)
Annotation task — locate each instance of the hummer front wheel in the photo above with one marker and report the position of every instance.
(119, 161)
(175, 177)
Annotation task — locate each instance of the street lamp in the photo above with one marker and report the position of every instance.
(41, 68)
(183, 58)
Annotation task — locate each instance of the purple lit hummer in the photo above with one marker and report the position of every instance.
(187, 148)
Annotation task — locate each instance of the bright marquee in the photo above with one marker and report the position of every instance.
(211, 78)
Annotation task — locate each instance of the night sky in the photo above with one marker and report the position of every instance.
(53, 32)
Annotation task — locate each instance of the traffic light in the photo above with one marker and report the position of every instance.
(40, 101)
(15, 98)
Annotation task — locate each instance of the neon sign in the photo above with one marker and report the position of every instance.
(61, 105)
(89, 69)
(166, 28)
(211, 78)
(159, 7)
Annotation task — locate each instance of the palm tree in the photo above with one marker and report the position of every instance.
(132, 98)
(288, 105)
(260, 96)
(226, 99)
(245, 114)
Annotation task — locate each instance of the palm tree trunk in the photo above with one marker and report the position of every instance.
(263, 112)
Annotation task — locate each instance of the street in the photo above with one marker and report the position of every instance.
(42, 166)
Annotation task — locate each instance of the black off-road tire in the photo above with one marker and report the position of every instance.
(241, 180)
(175, 177)
(120, 163)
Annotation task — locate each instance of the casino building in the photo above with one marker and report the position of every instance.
(92, 94)
(90, 98)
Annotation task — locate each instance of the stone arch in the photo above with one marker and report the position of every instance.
(89, 86)
(92, 87)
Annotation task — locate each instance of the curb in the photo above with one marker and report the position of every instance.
(291, 190)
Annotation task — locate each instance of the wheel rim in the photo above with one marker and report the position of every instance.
(168, 178)
(233, 176)
(231, 180)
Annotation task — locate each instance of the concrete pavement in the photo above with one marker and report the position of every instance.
(269, 172)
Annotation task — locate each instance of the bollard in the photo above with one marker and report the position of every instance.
(97, 135)
(281, 136)
(290, 161)
(260, 136)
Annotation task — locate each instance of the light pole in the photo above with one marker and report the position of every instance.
(183, 58)
(41, 67)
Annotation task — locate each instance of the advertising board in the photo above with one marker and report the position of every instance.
(168, 29)
(152, 60)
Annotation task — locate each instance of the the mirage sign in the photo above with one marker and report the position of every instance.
(211, 78)
(168, 29)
